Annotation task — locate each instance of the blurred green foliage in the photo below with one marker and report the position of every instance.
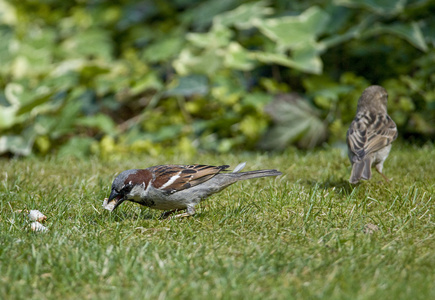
(112, 78)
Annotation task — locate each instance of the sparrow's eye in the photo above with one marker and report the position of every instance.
(120, 190)
(127, 187)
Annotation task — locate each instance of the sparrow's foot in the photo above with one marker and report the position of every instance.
(379, 169)
(186, 214)
(166, 214)
(190, 211)
(385, 177)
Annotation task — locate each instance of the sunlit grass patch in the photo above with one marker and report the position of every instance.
(306, 234)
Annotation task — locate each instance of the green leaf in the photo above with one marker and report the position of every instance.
(189, 85)
(44, 124)
(13, 93)
(61, 82)
(201, 15)
(216, 38)
(6, 55)
(168, 132)
(67, 66)
(148, 82)
(295, 122)
(76, 147)
(92, 70)
(421, 124)
(238, 58)
(8, 14)
(243, 16)
(7, 116)
(92, 42)
(381, 7)
(100, 121)
(38, 100)
(308, 60)
(163, 50)
(410, 32)
(257, 100)
(325, 90)
(353, 32)
(189, 63)
(294, 32)
(251, 126)
(67, 118)
(117, 79)
(17, 144)
(303, 60)
(21, 101)
(34, 55)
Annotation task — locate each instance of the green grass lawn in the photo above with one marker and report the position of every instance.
(300, 235)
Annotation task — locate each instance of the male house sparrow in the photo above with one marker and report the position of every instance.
(370, 135)
(175, 187)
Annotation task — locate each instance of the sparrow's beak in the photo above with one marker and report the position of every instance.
(115, 199)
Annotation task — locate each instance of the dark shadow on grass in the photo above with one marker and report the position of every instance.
(130, 215)
(121, 215)
(342, 186)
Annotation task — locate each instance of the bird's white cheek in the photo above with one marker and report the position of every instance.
(138, 192)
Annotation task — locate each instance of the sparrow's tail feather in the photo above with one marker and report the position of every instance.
(357, 169)
(239, 167)
(361, 170)
(367, 174)
(255, 174)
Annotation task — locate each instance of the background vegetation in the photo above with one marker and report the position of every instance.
(109, 78)
(168, 81)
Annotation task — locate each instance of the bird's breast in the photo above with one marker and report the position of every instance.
(158, 199)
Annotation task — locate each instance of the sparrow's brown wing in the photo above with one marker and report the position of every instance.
(174, 178)
(381, 134)
(369, 133)
(356, 136)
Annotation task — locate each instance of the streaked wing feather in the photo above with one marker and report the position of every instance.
(381, 134)
(174, 178)
(368, 134)
(357, 137)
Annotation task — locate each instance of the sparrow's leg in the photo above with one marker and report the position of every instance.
(379, 169)
(190, 211)
(166, 214)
